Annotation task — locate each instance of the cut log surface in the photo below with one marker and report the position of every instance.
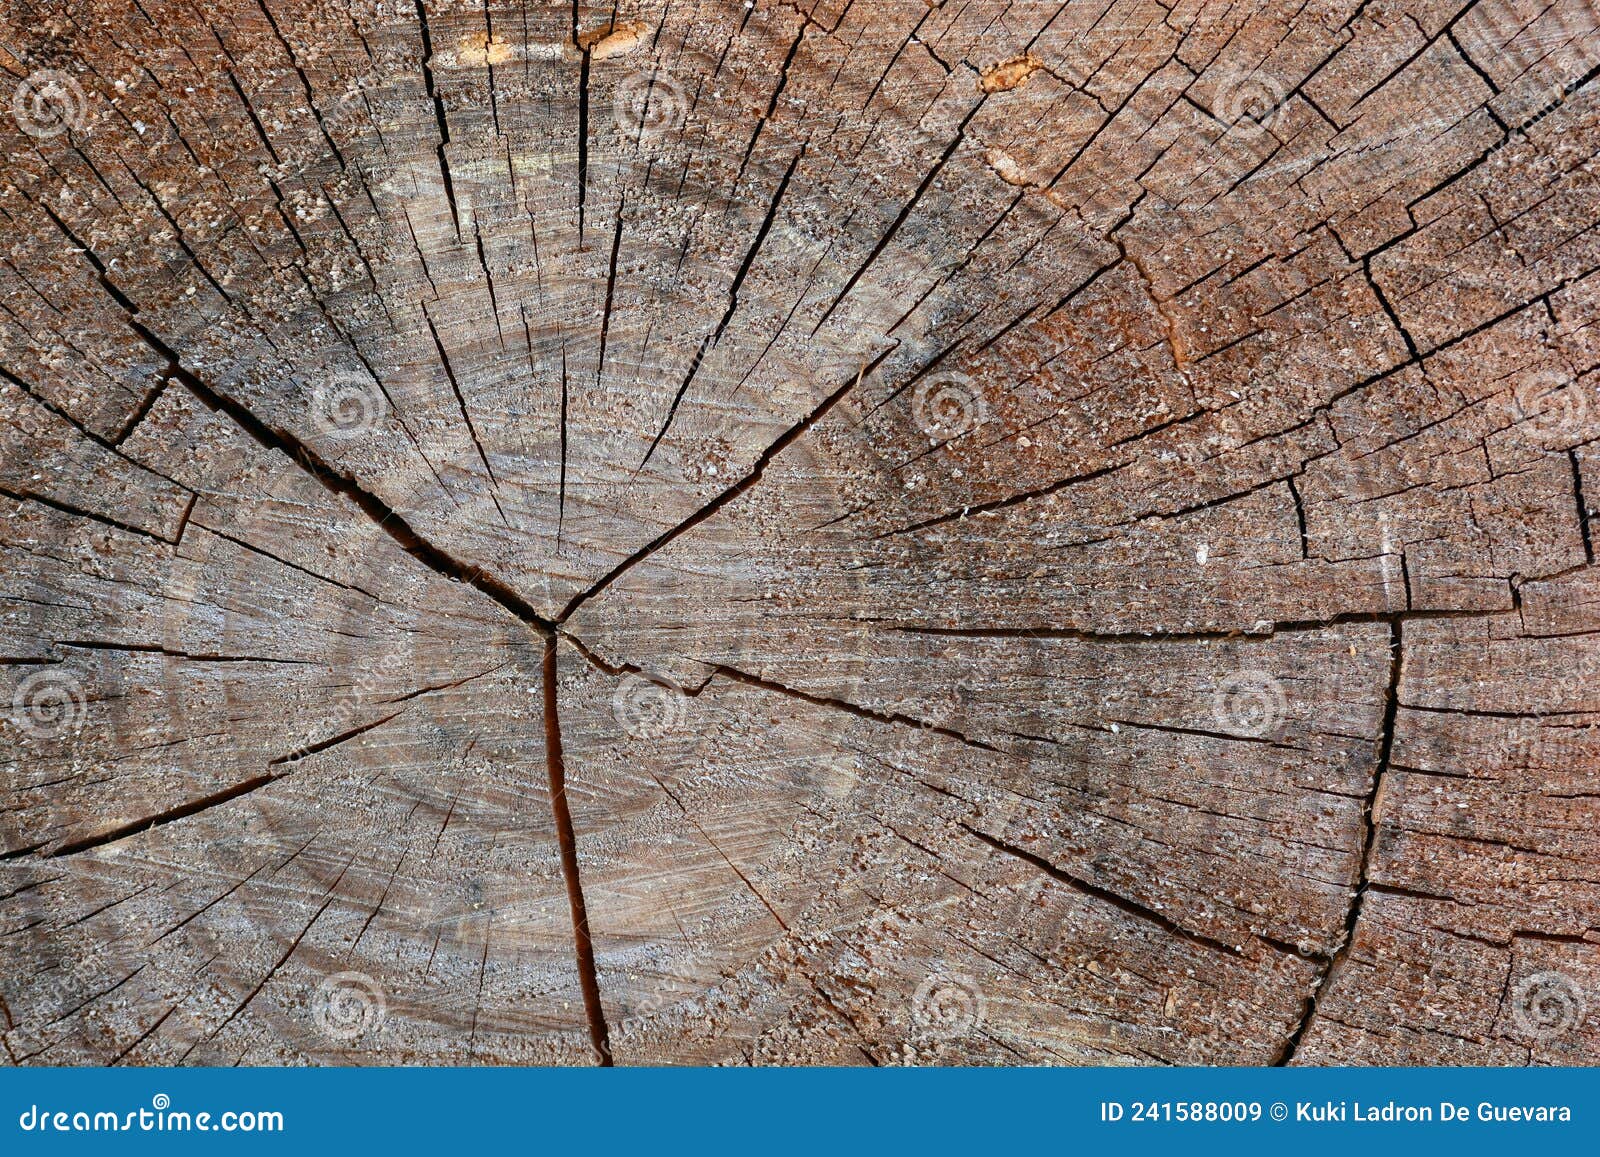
(827, 532)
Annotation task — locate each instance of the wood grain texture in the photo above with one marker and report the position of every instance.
(799, 533)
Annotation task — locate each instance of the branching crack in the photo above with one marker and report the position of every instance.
(441, 562)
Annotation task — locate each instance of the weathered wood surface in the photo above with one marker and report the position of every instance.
(823, 532)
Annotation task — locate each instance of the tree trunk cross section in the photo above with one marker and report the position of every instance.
(799, 533)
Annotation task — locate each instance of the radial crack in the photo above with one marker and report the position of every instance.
(727, 496)
(566, 837)
(1364, 881)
